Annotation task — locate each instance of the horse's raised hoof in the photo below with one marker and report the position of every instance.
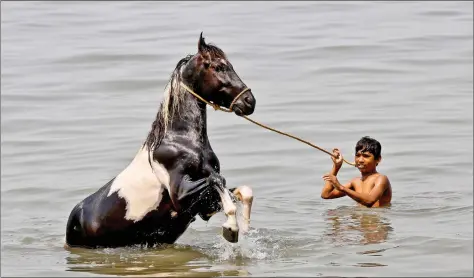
(230, 235)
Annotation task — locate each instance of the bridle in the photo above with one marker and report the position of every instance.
(214, 105)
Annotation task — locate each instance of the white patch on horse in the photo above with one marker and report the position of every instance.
(229, 209)
(141, 187)
(245, 195)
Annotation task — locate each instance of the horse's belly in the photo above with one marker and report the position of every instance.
(157, 227)
(160, 225)
(160, 228)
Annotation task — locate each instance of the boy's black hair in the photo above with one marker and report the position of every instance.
(367, 144)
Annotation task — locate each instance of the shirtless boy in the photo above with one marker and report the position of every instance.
(371, 189)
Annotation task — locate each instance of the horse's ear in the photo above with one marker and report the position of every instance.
(201, 44)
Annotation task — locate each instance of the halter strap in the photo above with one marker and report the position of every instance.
(215, 106)
(241, 93)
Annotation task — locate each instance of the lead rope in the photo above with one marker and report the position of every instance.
(229, 110)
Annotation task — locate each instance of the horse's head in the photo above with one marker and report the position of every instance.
(212, 76)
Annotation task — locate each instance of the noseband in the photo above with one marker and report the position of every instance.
(215, 106)
(241, 93)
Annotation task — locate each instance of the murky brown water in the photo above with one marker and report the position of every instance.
(81, 83)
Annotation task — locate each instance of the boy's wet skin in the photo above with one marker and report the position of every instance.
(371, 189)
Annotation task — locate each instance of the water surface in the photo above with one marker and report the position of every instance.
(82, 81)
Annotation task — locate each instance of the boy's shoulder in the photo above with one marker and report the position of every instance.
(381, 178)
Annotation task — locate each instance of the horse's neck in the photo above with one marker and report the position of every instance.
(192, 119)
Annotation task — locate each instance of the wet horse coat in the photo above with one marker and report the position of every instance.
(175, 175)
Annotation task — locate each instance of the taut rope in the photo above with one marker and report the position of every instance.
(217, 107)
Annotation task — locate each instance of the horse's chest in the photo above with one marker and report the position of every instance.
(191, 155)
(203, 163)
(195, 160)
(212, 162)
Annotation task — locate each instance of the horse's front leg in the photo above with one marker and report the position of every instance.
(230, 228)
(245, 195)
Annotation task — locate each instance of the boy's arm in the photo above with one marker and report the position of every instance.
(372, 197)
(329, 191)
(334, 193)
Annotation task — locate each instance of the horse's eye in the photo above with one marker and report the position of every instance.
(219, 68)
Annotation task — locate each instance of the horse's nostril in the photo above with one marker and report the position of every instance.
(249, 100)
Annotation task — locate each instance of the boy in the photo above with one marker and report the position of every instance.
(372, 189)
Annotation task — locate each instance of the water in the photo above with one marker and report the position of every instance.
(81, 84)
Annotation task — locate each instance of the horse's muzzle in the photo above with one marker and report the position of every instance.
(245, 104)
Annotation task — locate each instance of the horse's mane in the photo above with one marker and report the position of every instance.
(214, 51)
(169, 107)
(174, 98)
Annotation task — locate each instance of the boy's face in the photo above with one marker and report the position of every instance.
(365, 161)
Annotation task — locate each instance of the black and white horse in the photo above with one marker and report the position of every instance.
(175, 175)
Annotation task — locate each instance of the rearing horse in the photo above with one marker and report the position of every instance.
(175, 175)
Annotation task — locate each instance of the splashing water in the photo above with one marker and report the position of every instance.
(253, 245)
(256, 244)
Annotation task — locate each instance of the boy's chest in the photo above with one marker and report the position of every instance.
(364, 186)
